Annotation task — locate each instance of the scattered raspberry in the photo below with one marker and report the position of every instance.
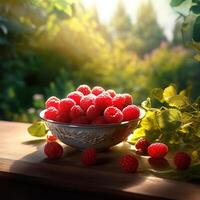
(51, 113)
(80, 120)
(182, 160)
(131, 112)
(84, 89)
(87, 101)
(102, 101)
(76, 96)
(142, 144)
(112, 93)
(157, 150)
(75, 112)
(65, 105)
(92, 112)
(113, 115)
(52, 102)
(129, 163)
(99, 120)
(119, 101)
(128, 99)
(51, 138)
(97, 90)
(89, 157)
(53, 150)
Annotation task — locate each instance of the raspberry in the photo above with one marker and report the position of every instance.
(89, 157)
(129, 163)
(53, 150)
(128, 99)
(142, 145)
(76, 111)
(97, 90)
(84, 89)
(157, 150)
(76, 96)
(87, 101)
(113, 115)
(52, 102)
(65, 105)
(51, 138)
(80, 120)
(131, 112)
(51, 113)
(112, 93)
(92, 112)
(102, 101)
(182, 160)
(118, 101)
(62, 118)
(99, 120)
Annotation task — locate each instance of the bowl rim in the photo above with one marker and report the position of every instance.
(142, 115)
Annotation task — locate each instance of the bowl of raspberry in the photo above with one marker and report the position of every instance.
(94, 117)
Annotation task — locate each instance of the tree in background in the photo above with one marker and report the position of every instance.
(147, 34)
(121, 25)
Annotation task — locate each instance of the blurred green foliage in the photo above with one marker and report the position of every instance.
(50, 47)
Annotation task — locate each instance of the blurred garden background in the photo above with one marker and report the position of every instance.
(50, 47)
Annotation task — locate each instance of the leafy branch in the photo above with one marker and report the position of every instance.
(175, 122)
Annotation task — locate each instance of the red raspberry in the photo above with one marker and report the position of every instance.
(182, 160)
(84, 89)
(64, 118)
(53, 150)
(102, 101)
(113, 115)
(97, 90)
(76, 96)
(65, 105)
(112, 93)
(142, 144)
(92, 112)
(157, 150)
(131, 112)
(99, 120)
(76, 111)
(89, 157)
(128, 99)
(129, 163)
(51, 113)
(52, 102)
(80, 120)
(87, 101)
(118, 101)
(51, 138)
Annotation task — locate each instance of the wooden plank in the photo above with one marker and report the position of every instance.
(22, 156)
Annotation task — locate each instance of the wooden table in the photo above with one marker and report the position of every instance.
(24, 169)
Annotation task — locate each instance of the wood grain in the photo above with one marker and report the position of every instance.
(21, 157)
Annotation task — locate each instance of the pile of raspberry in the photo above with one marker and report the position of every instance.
(92, 106)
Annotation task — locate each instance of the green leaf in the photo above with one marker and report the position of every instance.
(196, 30)
(195, 9)
(169, 92)
(157, 93)
(38, 129)
(149, 122)
(146, 104)
(169, 120)
(175, 3)
(178, 101)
